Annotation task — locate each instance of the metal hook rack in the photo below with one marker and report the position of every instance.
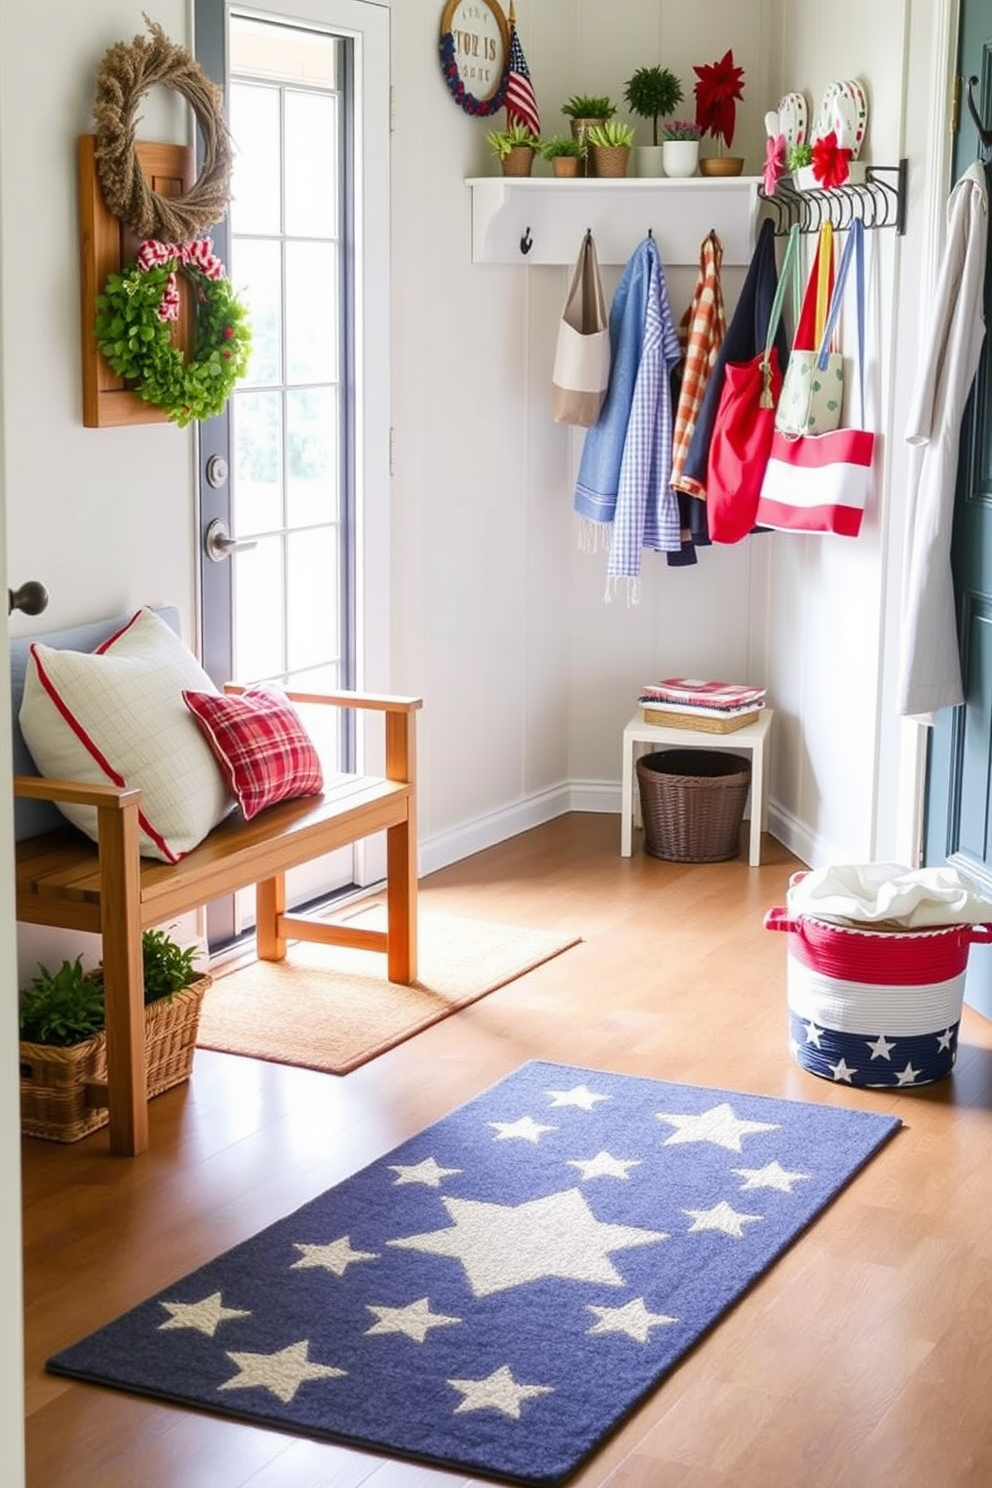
(879, 201)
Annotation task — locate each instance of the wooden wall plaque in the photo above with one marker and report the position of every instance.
(106, 246)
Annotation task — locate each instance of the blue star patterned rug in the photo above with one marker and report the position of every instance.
(499, 1292)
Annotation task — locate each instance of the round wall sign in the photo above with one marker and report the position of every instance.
(475, 45)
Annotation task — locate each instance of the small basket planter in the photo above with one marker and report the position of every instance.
(692, 803)
(58, 1101)
(875, 1007)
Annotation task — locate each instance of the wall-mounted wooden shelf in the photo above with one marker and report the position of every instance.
(552, 216)
(106, 245)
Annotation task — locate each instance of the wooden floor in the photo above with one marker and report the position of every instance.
(862, 1360)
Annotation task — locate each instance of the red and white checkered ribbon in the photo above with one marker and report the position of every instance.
(199, 255)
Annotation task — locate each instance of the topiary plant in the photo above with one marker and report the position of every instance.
(653, 92)
(588, 106)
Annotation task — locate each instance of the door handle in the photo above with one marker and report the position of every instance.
(31, 598)
(218, 543)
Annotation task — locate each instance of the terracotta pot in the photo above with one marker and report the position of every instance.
(721, 165)
(519, 161)
(565, 165)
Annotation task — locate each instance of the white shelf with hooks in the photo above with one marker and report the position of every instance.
(554, 214)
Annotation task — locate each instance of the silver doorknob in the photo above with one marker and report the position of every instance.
(218, 543)
(31, 598)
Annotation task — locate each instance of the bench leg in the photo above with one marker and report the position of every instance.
(401, 902)
(270, 906)
(123, 977)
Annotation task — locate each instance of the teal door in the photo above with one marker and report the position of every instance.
(959, 773)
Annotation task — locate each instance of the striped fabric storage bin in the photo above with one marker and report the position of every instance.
(875, 1007)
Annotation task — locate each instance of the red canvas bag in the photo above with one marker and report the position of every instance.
(743, 427)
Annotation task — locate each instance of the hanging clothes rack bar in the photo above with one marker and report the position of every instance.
(879, 201)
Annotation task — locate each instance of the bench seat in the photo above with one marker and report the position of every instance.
(65, 880)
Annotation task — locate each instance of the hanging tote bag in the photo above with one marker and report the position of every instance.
(582, 354)
(743, 427)
(811, 398)
(820, 482)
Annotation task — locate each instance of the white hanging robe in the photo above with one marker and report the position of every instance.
(930, 668)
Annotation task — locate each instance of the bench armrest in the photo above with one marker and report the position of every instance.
(73, 793)
(379, 701)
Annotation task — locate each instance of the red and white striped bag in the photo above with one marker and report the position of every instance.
(821, 482)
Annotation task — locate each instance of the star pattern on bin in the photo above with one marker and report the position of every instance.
(881, 1048)
(908, 1076)
(842, 1072)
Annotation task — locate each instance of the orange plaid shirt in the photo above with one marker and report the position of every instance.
(701, 333)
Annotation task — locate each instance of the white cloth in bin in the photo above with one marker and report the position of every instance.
(889, 893)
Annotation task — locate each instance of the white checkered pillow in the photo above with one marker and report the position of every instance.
(260, 744)
(116, 716)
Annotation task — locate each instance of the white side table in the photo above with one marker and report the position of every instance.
(748, 740)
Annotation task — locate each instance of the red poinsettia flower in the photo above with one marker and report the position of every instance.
(831, 164)
(720, 83)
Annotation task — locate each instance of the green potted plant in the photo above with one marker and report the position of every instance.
(514, 148)
(564, 154)
(680, 147)
(610, 144)
(651, 93)
(63, 1049)
(584, 110)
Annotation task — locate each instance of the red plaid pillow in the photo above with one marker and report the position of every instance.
(259, 742)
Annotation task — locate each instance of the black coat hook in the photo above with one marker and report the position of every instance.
(526, 242)
(984, 135)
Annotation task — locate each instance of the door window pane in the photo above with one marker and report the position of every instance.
(312, 601)
(312, 456)
(311, 165)
(257, 274)
(255, 206)
(256, 439)
(312, 308)
(258, 611)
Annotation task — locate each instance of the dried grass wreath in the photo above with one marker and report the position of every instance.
(125, 75)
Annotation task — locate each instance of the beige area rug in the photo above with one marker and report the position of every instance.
(331, 1008)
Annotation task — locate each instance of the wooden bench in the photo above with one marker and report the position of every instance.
(64, 880)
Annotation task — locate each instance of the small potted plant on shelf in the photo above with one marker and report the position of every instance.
(651, 93)
(718, 88)
(583, 110)
(514, 148)
(564, 154)
(680, 147)
(63, 1046)
(609, 146)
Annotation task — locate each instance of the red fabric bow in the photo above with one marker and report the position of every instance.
(831, 163)
(774, 162)
(720, 83)
(199, 255)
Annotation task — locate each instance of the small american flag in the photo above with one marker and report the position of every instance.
(521, 103)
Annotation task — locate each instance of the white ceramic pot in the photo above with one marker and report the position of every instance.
(648, 160)
(680, 157)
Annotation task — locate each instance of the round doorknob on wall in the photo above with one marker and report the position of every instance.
(31, 598)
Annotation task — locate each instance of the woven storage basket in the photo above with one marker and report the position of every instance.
(55, 1100)
(875, 1007)
(701, 724)
(692, 803)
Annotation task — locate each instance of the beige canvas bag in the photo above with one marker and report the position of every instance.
(582, 354)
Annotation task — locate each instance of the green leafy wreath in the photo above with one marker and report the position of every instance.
(134, 320)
